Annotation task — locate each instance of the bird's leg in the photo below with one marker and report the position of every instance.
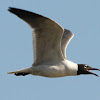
(21, 74)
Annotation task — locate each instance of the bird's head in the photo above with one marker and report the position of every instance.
(85, 69)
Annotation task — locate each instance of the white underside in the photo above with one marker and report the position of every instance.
(63, 68)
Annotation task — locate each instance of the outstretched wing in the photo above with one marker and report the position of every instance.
(47, 36)
(67, 36)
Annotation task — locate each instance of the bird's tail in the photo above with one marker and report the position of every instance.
(21, 72)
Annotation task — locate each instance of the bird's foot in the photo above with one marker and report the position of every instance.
(21, 74)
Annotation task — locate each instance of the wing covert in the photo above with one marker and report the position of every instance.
(47, 36)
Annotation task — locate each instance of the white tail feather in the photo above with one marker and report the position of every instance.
(26, 70)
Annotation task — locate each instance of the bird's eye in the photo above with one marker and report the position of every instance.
(85, 66)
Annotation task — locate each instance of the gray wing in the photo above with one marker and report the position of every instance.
(67, 36)
(47, 36)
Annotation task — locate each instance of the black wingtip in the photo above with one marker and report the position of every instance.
(16, 11)
(10, 8)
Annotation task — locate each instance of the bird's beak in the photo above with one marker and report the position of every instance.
(90, 68)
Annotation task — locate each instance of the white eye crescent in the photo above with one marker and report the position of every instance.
(85, 66)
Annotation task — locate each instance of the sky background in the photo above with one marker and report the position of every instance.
(82, 17)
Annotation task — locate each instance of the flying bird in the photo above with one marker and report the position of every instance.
(49, 42)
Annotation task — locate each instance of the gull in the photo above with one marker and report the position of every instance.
(49, 42)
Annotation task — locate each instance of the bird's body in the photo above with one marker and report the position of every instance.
(49, 42)
(59, 69)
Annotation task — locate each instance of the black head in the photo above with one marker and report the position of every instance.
(85, 69)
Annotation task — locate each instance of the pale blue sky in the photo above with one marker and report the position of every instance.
(82, 17)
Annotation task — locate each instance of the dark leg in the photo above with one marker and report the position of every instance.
(21, 74)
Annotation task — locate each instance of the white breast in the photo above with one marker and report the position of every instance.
(64, 68)
(71, 68)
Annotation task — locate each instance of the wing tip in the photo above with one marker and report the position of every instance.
(14, 10)
(11, 9)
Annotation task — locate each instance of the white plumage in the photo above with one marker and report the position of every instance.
(49, 41)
